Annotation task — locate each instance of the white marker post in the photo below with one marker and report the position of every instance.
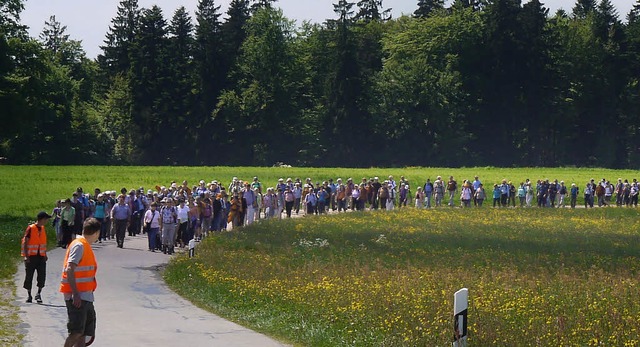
(460, 308)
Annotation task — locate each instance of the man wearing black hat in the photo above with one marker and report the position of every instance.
(34, 252)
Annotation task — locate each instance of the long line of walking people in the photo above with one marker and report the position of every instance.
(173, 215)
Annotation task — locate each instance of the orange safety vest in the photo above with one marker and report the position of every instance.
(37, 242)
(85, 272)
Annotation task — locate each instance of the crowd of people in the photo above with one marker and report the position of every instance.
(172, 215)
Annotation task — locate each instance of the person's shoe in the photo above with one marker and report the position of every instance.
(38, 298)
(29, 299)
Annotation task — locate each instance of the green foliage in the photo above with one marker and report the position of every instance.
(423, 99)
(263, 105)
(478, 83)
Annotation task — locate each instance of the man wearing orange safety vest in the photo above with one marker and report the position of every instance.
(34, 253)
(78, 284)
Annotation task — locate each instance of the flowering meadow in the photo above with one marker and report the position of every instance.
(536, 277)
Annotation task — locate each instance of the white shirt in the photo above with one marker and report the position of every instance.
(152, 217)
(183, 214)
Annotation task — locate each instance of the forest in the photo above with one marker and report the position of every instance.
(475, 83)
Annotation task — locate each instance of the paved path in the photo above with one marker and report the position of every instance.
(133, 305)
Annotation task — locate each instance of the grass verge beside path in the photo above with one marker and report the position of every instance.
(11, 228)
(536, 277)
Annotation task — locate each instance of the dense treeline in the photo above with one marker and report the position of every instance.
(483, 82)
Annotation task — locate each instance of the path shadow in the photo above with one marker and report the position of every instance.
(52, 305)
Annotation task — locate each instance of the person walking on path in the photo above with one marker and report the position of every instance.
(78, 284)
(452, 188)
(121, 215)
(182, 213)
(168, 220)
(67, 219)
(152, 221)
(34, 251)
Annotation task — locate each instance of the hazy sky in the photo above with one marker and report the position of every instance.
(88, 20)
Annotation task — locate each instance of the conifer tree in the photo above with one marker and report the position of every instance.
(583, 7)
(150, 85)
(120, 39)
(426, 7)
(372, 10)
(260, 4)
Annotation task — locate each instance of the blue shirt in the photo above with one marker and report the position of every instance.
(100, 209)
(121, 212)
(83, 199)
(322, 196)
(574, 191)
(311, 198)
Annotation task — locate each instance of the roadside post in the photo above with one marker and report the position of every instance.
(460, 308)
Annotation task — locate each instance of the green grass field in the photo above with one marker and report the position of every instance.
(29, 189)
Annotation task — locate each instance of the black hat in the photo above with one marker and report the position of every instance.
(43, 215)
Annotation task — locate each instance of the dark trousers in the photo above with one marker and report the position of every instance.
(103, 229)
(106, 227)
(35, 263)
(182, 233)
(216, 225)
(342, 205)
(153, 232)
(121, 229)
(587, 201)
(288, 205)
(503, 200)
(67, 232)
(134, 226)
(296, 204)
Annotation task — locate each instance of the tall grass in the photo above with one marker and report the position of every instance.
(537, 277)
